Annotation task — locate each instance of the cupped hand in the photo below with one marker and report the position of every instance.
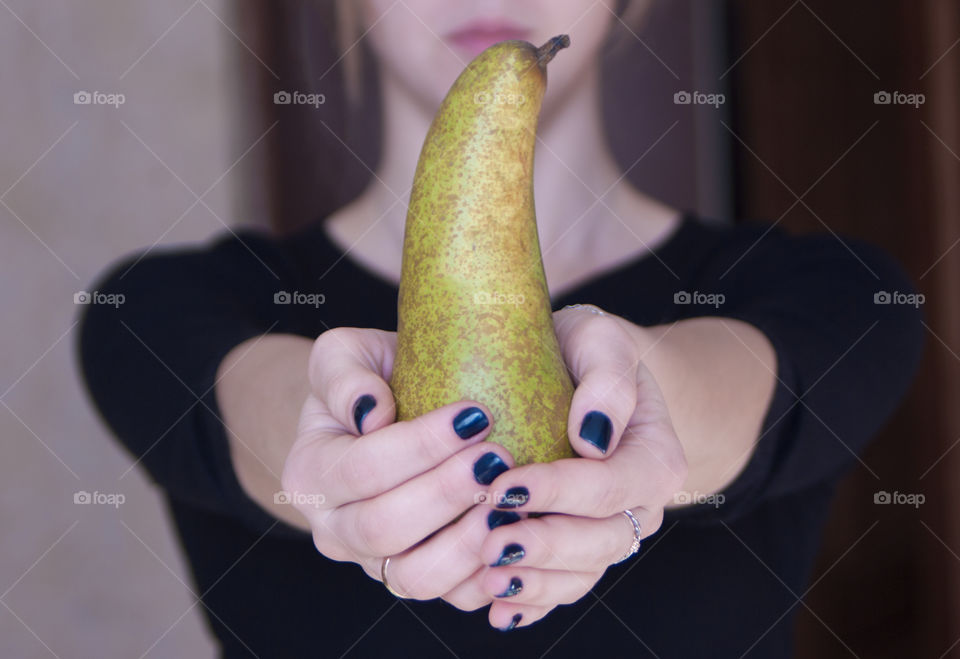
(373, 488)
(631, 460)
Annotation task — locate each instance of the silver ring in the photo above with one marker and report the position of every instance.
(635, 547)
(589, 307)
(383, 578)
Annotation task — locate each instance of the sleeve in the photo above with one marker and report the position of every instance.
(150, 359)
(845, 323)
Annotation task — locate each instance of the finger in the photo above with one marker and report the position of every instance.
(603, 360)
(329, 545)
(564, 542)
(349, 369)
(345, 468)
(468, 595)
(403, 516)
(523, 585)
(507, 616)
(638, 474)
(444, 561)
(504, 614)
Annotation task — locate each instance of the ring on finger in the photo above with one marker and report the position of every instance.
(383, 578)
(635, 546)
(589, 307)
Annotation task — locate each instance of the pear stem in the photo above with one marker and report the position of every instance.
(547, 51)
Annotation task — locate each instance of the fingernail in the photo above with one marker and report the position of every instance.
(469, 422)
(514, 497)
(487, 467)
(596, 429)
(513, 622)
(510, 555)
(513, 589)
(361, 409)
(500, 518)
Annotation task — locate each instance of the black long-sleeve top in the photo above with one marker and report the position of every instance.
(715, 581)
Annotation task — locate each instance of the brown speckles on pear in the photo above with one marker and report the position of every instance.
(475, 320)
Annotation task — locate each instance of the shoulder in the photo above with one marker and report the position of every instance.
(823, 291)
(758, 253)
(232, 257)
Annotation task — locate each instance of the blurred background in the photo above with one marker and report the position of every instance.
(126, 125)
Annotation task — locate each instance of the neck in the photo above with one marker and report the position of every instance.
(573, 168)
(571, 150)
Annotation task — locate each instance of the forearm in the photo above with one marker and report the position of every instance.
(717, 376)
(261, 387)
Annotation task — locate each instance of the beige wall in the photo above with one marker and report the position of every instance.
(92, 580)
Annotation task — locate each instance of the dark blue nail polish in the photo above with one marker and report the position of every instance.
(513, 589)
(514, 497)
(500, 518)
(469, 422)
(596, 429)
(510, 555)
(517, 617)
(361, 409)
(487, 467)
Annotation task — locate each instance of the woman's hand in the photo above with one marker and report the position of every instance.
(620, 423)
(371, 488)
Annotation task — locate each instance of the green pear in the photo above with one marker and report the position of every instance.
(474, 311)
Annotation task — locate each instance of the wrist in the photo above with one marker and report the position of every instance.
(678, 357)
(261, 386)
(656, 351)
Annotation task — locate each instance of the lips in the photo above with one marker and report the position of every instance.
(476, 37)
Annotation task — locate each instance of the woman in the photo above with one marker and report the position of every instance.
(726, 377)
